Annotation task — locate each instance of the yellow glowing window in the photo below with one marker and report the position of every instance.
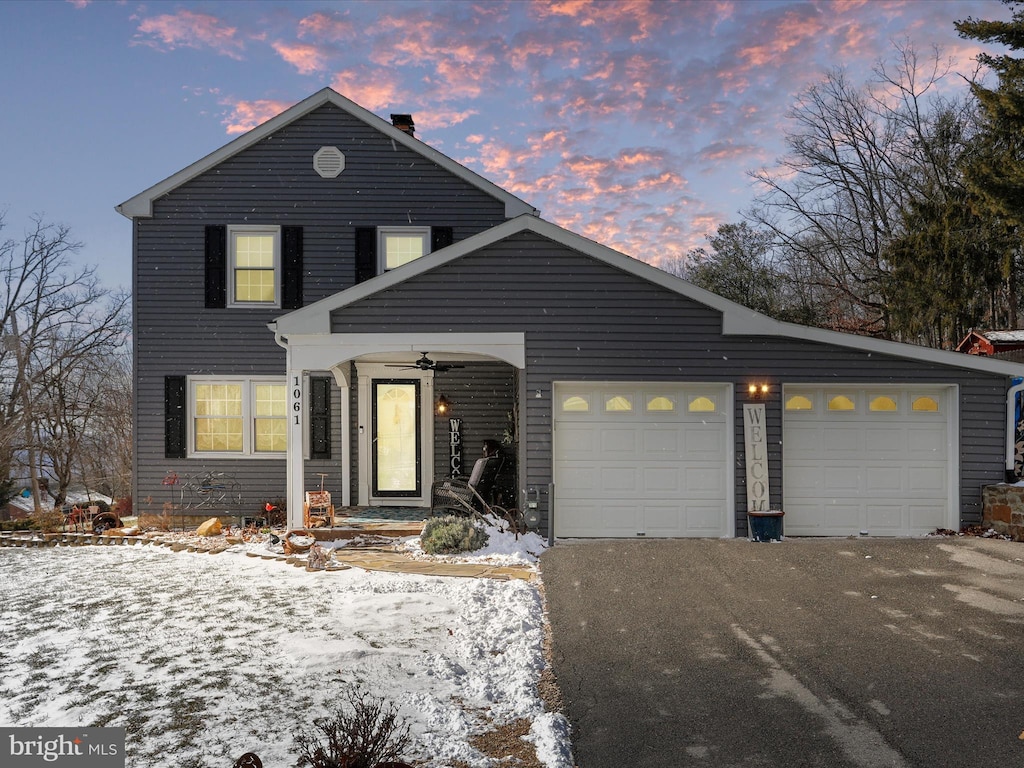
(242, 416)
(618, 404)
(400, 245)
(218, 418)
(702, 404)
(840, 403)
(270, 422)
(661, 403)
(799, 403)
(575, 403)
(254, 266)
(882, 403)
(926, 404)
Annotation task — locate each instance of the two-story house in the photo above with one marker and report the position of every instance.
(306, 296)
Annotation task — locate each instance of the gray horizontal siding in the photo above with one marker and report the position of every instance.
(482, 395)
(271, 182)
(585, 320)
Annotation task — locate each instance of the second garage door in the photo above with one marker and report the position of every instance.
(633, 459)
(874, 459)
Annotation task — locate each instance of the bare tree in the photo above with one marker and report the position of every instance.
(858, 158)
(106, 457)
(55, 320)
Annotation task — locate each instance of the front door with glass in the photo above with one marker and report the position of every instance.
(396, 438)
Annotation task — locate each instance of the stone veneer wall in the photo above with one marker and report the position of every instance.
(1003, 509)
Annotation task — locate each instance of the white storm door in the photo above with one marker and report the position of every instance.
(396, 435)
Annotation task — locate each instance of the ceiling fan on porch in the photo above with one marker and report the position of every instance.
(426, 364)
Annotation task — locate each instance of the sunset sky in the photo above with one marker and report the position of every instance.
(634, 123)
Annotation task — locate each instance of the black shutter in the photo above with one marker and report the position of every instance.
(174, 417)
(291, 267)
(319, 417)
(366, 253)
(441, 237)
(216, 266)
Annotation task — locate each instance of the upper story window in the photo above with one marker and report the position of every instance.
(381, 248)
(254, 265)
(400, 245)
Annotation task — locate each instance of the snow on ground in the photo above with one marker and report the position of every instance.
(205, 657)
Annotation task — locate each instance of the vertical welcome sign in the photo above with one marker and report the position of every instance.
(454, 447)
(756, 448)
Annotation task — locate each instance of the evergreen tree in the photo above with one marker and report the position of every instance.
(996, 173)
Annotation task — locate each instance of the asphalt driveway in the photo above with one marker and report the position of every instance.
(810, 652)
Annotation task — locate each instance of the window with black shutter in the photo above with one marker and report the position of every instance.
(441, 237)
(216, 266)
(291, 267)
(175, 418)
(366, 253)
(320, 417)
(379, 249)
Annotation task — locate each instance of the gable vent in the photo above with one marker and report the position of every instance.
(328, 162)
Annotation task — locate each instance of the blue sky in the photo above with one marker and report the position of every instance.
(633, 123)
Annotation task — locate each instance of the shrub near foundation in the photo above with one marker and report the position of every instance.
(451, 535)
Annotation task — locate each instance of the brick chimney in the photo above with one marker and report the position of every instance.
(404, 123)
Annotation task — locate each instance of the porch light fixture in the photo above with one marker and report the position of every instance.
(442, 405)
(757, 391)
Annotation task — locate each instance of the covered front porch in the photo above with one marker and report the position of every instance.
(400, 419)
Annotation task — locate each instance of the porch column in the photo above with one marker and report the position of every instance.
(296, 429)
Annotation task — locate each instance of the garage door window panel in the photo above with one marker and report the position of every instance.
(883, 403)
(925, 404)
(702, 404)
(661, 404)
(842, 403)
(799, 403)
(618, 404)
(576, 404)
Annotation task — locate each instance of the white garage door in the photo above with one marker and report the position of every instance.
(879, 459)
(635, 459)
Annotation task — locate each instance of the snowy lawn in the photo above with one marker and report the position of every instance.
(205, 657)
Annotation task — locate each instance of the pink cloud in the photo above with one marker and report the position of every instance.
(792, 31)
(326, 26)
(373, 89)
(307, 59)
(457, 66)
(427, 119)
(246, 115)
(188, 29)
(722, 151)
(631, 19)
(79, 4)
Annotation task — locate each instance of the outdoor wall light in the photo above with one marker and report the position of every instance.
(442, 405)
(757, 391)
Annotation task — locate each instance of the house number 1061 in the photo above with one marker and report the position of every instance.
(297, 399)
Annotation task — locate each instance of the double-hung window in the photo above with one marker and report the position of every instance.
(239, 416)
(254, 266)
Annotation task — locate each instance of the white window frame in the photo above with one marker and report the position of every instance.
(253, 229)
(248, 416)
(383, 232)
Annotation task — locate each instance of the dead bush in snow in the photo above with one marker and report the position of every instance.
(363, 732)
